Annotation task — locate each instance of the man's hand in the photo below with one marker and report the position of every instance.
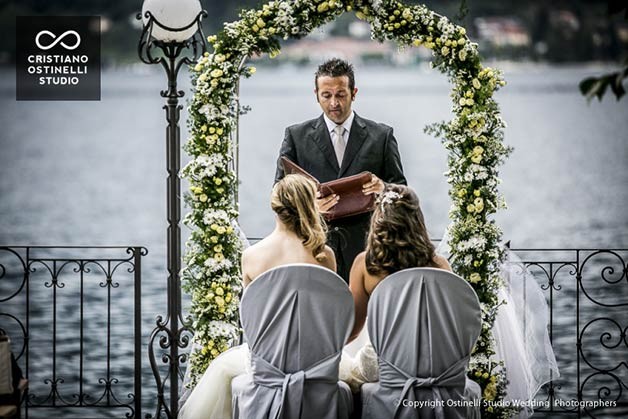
(376, 185)
(327, 203)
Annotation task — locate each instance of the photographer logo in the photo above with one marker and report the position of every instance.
(58, 58)
(58, 40)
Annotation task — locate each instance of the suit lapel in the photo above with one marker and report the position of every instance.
(357, 136)
(320, 135)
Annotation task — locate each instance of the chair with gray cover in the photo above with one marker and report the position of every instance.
(423, 324)
(296, 319)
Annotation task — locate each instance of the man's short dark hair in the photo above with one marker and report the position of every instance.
(336, 68)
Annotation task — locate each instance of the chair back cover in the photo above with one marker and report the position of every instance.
(296, 319)
(423, 324)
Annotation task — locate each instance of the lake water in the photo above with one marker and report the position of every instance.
(93, 173)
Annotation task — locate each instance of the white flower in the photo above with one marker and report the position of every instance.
(388, 198)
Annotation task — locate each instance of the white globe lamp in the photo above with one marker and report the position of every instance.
(173, 20)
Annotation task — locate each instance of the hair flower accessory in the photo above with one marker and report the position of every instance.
(388, 198)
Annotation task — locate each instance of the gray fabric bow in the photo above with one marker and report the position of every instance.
(291, 384)
(395, 377)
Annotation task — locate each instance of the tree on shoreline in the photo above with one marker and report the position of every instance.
(597, 86)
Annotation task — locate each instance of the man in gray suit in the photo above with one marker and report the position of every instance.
(340, 143)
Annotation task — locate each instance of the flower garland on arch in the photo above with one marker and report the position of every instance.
(473, 138)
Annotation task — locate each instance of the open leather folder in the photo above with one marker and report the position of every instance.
(349, 189)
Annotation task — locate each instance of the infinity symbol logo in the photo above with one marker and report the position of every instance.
(56, 40)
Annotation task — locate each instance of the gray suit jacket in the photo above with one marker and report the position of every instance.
(371, 147)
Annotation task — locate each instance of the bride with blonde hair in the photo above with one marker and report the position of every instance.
(298, 237)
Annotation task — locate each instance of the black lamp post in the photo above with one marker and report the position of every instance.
(172, 36)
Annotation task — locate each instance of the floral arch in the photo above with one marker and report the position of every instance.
(473, 138)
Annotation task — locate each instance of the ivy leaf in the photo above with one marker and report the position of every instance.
(593, 86)
(617, 85)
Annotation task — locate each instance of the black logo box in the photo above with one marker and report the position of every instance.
(58, 58)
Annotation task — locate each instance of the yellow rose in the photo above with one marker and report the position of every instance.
(219, 301)
(360, 15)
(485, 375)
(462, 101)
(214, 83)
(211, 343)
(461, 41)
(470, 102)
(214, 239)
(219, 131)
(216, 73)
(476, 192)
(323, 7)
(470, 208)
(478, 149)
(462, 55)
(217, 181)
(252, 70)
(229, 229)
(462, 192)
(260, 23)
(212, 38)
(274, 53)
(214, 352)
(476, 158)
(219, 257)
(221, 230)
(475, 278)
(203, 198)
(219, 58)
(416, 42)
(214, 226)
(397, 25)
(218, 248)
(444, 50)
(255, 28)
(220, 291)
(476, 84)
(462, 31)
(198, 67)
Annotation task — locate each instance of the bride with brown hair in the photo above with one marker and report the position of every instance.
(299, 237)
(397, 240)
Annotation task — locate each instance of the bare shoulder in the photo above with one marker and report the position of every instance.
(360, 258)
(329, 259)
(441, 262)
(359, 263)
(329, 253)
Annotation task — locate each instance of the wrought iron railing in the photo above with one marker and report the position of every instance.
(587, 295)
(68, 313)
